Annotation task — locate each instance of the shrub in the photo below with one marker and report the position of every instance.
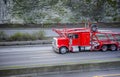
(3, 36)
(26, 36)
(40, 35)
(20, 37)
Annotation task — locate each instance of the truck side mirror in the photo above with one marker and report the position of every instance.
(70, 36)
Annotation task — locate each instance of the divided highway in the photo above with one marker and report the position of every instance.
(38, 55)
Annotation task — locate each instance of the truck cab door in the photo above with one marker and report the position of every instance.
(74, 40)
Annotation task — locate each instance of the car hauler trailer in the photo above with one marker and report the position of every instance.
(83, 39)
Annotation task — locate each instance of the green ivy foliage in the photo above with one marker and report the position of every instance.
(94, 9)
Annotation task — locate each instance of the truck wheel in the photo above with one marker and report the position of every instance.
(104, 48)
(113, 47)
(63, 50)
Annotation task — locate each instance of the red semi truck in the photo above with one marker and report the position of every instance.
(83, 39)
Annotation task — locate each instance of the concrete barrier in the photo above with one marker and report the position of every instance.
(62, 68)
(25, 42)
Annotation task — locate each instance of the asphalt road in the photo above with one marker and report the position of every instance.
(11, 31)
(38, 55)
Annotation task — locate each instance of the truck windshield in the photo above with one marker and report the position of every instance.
(74, 36)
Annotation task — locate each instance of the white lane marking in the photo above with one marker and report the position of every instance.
(109, 75)
(39, 57)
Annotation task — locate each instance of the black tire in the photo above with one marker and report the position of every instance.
(94, 28)
(113, 47)
(63, 50)
(104, 48)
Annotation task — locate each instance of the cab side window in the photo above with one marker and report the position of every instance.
(73, 36)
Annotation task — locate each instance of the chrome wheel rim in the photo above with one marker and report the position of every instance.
(113, 47)
(104, 48)
(63, 50)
